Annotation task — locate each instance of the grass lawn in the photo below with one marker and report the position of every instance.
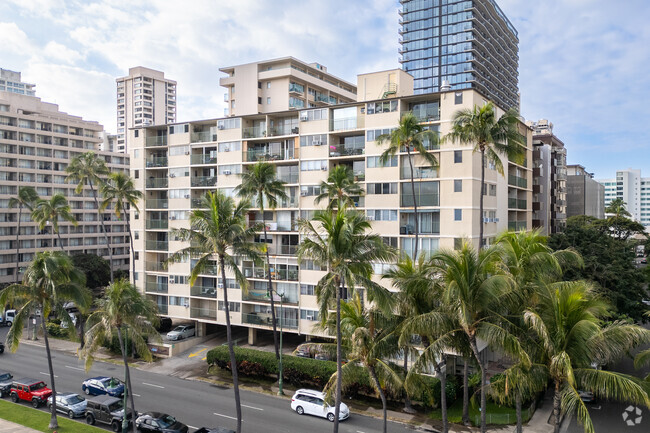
(38, 420)
(496, 414)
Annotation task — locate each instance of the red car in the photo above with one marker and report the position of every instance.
(30, 390)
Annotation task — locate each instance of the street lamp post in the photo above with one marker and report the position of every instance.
(280, 370)
(125, 420)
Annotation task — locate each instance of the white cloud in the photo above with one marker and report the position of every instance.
(60, 53)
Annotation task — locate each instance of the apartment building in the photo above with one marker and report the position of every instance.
(549, 178)
(176, 164)
(585, 196)
(634, 190)
(10, 81)
(466, 44)
(144, 97)
(37, 142)
(280, 85)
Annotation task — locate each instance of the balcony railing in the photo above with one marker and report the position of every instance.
(203, 137)
(254, 132)
(160, 203)
(156, 287)
(346, 151)
(155, 267)
(517, 226)
(276, 274)
(284, 130)
(204, 291)
(157, 182)
(264, 155)
(157, 224)
(156, 141)
(423, 200)
(265, 319)
(203, 159)
(204, 181)
(203, 313)
(157, 245)
(289, 250)
(157, 162)
(288, 178)
(517, 181)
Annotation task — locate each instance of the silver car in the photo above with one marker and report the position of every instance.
(69, 403)
(181, 332)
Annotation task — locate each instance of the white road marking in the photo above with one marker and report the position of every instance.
(136, 395)
(252, 407)
(191, 426)
(225, 416)
(151, 384)
(74, 368)
(47, 374)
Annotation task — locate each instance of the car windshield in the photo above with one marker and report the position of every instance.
(111, 382)
(114, 407)
(5, 376)
(37, 386)
(74, 399)
(179, 329)
(166, 421)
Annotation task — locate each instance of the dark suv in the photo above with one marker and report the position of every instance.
(30, 390)
(107, 410)
(6, 379)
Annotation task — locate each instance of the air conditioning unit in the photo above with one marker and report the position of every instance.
(486, 220)
(303, 193)
(316, 143)
(324, 168)
(172, 175)
(304, 117)
(219, 286)
(226, 149)
(310, 317)
(496, 220)
(187, 153)
(370, 217)
(171, 280)
(172, 217)
(187, 196)
(221, 127)
(226, 172)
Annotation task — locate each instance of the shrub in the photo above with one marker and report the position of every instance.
(428, 391)
(55, 330)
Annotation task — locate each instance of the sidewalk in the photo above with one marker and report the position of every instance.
(10, 427)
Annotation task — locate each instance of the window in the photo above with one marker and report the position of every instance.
(235, 307)
(309, 315)
(373, 134)
(229, 123)
(268, 100)
(229, 169)
(458, 214)
(313, 140)
(381, 107)
(268, 84)
(136, 174)
(320, 164)
(178, 150)
(259, 100)
(375, 162)
(458, 185)
(136, 133)
(307, 289)
(179, 129)
(178, 301)
(458, 98)
(179, 193)
(382, 188)
(390, 241)
(309, 190)
(458, 156)
(259, 84)
(493, 190)
(311, 115)
(382, 215)
(230, 146)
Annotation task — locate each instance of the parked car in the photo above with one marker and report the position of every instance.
(28, 389)
(214, 430)
(6, 379)
(644, 260)
(103, 385)
(107, 410)
(323, 356)
(2, 347)
(310, 402)
(180, 332)
(159, 422)
(69, 403)
(587, 396)
(8, 317)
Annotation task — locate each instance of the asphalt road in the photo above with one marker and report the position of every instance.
(196, 404)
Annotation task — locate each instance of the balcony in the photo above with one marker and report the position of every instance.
(267, 155)
(204, 181)
(517, 181)
(288, 178)
(283, 274)
(160, 161)
(284, 130)
(296, 88)
(254, 132)
(155, 267)
(157, 245)
(423, 200)
(157, 182)
(156, 141)
(517, 226)
(203, 159)
(204, 291)
(514, 203)
(288, 250)
(157, 224)
(160, 203)
(197, 203)
(264, 319)
(203, 137)
(419, 173)
(341, 150)
(155, 287)
(203, 313)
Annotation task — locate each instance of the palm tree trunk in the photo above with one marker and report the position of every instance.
(408, 407)
(128, 229)
(101, 220)
(127, 377)
(518, 410)
(339, 356)
(443, 395)
(483, 380)
(268, 265)
(556, 407)
(231, 350)
(480, 200)
(382, 395)
(466, 391)
(58, 235)
(20, 216)
(415, 205)
(54, 423)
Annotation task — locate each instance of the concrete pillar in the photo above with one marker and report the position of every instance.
(307, 338)
(252, 336)
(200, 329)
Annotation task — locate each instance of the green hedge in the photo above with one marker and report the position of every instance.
(55, 330)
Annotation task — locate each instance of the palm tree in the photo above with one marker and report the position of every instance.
(49, 281)
(413, 137)
(120, 188)
(567, 320)
(340, 240)
(219, 229)
(340, 188)
(26, 198)
(475, 292)
(618, 208)
(50, 212)
(89, 169)
(491, 137)
(260, 184)
(125, 310)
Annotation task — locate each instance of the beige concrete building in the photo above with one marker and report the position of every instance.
(144, 97)
(176, 164)
(11, 81)
(282, 84)
(37, 142)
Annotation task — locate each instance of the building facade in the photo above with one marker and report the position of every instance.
(466, 44)
(634, 190)
(37, 142)
(549, 179)
(585, 196)
(144, 97)
(176, 164)
(282, 84)
(11, 81)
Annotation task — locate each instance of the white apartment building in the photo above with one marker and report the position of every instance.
(10, 81)
(176, 164)
(282, 84)
(144, 97)
(634, 190)
(37, 142)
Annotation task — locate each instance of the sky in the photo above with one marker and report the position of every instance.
(583, 64)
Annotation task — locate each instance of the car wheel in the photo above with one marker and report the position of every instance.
(70, 414)
(86, 390)
(116, 426)
(90, 419)
(36, 403)
(8, 324)
(14, 398)
(300, 410)
(330, 417)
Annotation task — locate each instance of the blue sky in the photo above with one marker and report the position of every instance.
(583, 63)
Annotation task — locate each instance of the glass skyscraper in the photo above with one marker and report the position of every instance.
(469, 43)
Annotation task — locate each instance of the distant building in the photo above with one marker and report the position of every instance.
(109, 142)
(634, 190)
(10, 81)
(549, 178)
(282, 84)
(585, 196)
(144, 97)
